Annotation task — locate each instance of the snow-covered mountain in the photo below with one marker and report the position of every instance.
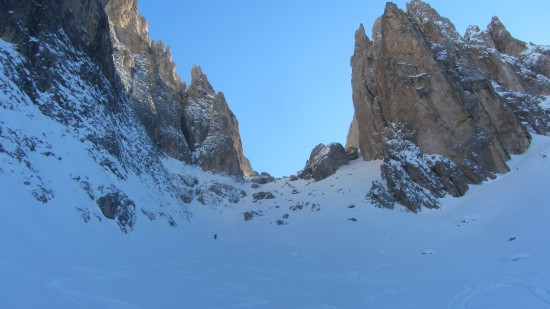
(123, 187)
(90, 109)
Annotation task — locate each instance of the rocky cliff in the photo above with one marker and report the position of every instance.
(192, 124)
(94, 118)
(470, 99)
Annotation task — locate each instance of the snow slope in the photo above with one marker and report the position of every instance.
(488, 249)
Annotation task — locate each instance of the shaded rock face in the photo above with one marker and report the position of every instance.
(148, 77)
(87, 72)
(117, 206)
(352, 140)
(56, 64)
(212, 130)
(324, 161)
(192, 124)
(352, 153)
(262, 179)
(415, 179)
(418, 71)
(503, 40)
(379, 196)
(518, 71)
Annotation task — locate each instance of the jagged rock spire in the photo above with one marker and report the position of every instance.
(418, 72)
(199, 80)
(192, 124)
(504, 41)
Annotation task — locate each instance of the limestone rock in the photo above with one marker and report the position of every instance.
(380, 197)
(504, 41)
(211, 129)
(352, 153)
(352, 140)
(263, 196)
(324, 161)
(414, 71)
(520, 76)
(263, 178)
(416, 179)
(194, 124)
(471, 100)
(117, 206)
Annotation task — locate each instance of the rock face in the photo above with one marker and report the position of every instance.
(457, 96)
(88, 98)
(416, 179)
(211, 129)
(324, 161)
(192, 124)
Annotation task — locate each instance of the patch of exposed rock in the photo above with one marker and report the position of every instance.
(324, 161)
(380, 197)
(116, 205)
(263, 196)
(212, 130)
(416, 179)
(262, 178)
(352, 153)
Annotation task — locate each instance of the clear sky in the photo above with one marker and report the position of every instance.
(284, 65)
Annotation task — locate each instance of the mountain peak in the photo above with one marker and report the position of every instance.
(504, 41)
(199, 81)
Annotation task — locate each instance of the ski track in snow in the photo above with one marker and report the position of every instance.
(538, 291)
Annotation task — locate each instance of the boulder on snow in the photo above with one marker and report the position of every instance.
(249, 215)
(263, 196)
(352, 153)
(416, 179)
(324, 161)
(263, 178)
(117, 206)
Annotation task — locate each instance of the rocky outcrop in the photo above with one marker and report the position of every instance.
(117, 206)
(503, 40)
(212, 130)
(262, 178)
(518, 71)
(379, 196)
(110, 100)
(419, 72)
(415, 179)
(324, 161)
(352, 153)
(352, 140)
(56, 67)
(192, 124)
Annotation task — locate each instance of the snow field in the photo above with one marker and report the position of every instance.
(488, 249)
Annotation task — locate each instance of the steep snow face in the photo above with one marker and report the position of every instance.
(315, 245)
(75, 142)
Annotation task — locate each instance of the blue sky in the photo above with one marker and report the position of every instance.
(284, 65)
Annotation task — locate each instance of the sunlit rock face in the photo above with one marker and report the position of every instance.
(472, 99)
